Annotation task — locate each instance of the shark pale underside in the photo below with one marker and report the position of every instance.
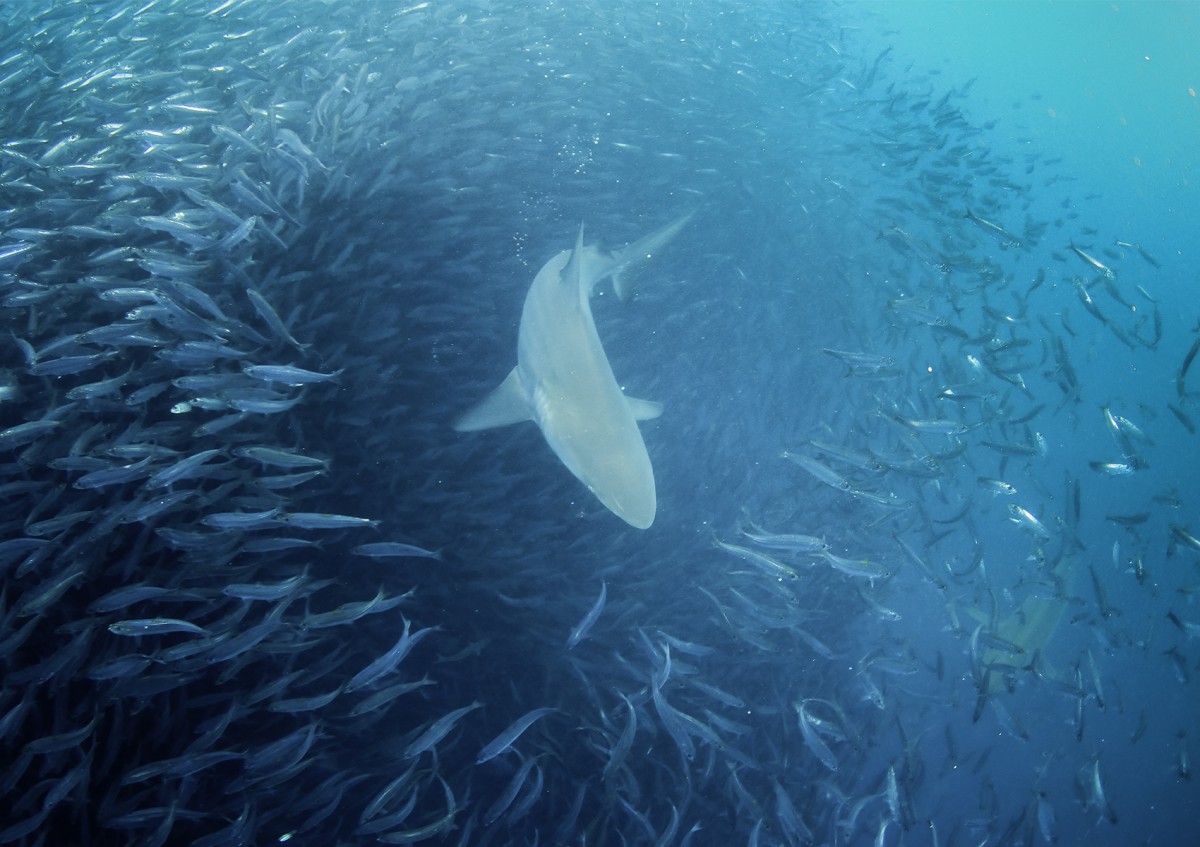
(564, 383)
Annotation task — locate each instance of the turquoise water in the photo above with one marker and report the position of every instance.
(1109, 86)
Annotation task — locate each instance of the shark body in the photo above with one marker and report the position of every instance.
(563, 381)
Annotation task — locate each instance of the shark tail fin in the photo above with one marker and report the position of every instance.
(642, 249)
(504, 406)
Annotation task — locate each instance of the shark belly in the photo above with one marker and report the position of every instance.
(564, 383)
(574, 398)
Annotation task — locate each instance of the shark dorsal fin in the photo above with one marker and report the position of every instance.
(573, 273)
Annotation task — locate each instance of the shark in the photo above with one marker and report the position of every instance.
(1029, 630)
(563, 381)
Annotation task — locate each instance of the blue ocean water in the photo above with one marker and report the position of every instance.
(924, 563)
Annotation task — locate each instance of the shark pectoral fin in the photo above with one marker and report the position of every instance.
(505, 405)
(644, 410)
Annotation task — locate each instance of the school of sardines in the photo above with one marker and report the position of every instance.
(254, 590)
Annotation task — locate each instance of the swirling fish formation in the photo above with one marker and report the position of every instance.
(256, 590)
